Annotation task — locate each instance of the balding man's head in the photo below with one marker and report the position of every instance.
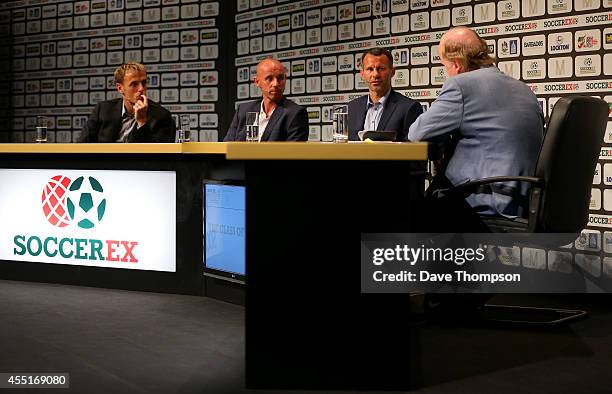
(462, 50)
(269, 63)
(271, 78)
(461, 34)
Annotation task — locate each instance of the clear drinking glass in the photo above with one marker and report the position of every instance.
(41, 129)
(252, 126)
(185, 121)
(340, 123)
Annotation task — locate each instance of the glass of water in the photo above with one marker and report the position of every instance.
(41, 129)
(252, 126)
(340, 123)
(185, 129)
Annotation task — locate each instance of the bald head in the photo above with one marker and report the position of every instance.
(461, 34)
(271, 78)
(462, 50)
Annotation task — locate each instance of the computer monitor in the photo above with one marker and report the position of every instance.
(224, 230)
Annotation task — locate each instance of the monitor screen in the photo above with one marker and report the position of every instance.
(224, 222)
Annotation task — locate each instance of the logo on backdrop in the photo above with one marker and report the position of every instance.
(81, 201)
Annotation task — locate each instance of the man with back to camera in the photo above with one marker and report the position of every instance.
(280, 119)
(131, 118)
(498, 123)
(382, 108)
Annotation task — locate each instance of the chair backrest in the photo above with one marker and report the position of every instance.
(567, 163)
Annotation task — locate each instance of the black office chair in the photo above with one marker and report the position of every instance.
(560, 188)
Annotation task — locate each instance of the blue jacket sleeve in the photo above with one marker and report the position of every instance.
(443, 117)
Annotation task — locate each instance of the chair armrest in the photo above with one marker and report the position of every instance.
(482, 185)
(473, 185)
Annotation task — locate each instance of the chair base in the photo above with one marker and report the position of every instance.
(472, 309)
(528, 316)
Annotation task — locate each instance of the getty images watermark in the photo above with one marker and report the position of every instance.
(477, 263)
(422, 255)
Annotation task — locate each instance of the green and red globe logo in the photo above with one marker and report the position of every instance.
(81, 201)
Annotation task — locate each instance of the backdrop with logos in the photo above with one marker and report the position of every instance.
(57, 58)
(557, 47)
(60, 58)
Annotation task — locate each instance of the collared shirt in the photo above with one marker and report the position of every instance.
(263, 119)
(127, 125)
(374, 112)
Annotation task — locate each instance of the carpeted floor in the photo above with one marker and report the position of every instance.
(114, 341)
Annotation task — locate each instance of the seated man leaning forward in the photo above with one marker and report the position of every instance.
(497, 120)
(280, 119)
(131, 118)
(382, 108)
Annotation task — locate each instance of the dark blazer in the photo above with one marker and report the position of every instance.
(289, 122)
(104, 124)
(398, 114)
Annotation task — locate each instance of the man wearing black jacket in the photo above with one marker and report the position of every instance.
(280, 119)
(383, 108)
(132, 118)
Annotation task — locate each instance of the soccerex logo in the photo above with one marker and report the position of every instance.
(81, 201)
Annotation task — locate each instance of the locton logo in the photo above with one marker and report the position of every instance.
(81, 201)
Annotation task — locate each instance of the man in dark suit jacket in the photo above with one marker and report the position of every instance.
(133, 118)
(280, 119)
(382, 108)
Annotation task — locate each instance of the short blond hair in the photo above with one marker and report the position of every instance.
(471, 54)
(126, 68)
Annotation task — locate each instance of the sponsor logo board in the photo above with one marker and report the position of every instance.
(89, 218)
